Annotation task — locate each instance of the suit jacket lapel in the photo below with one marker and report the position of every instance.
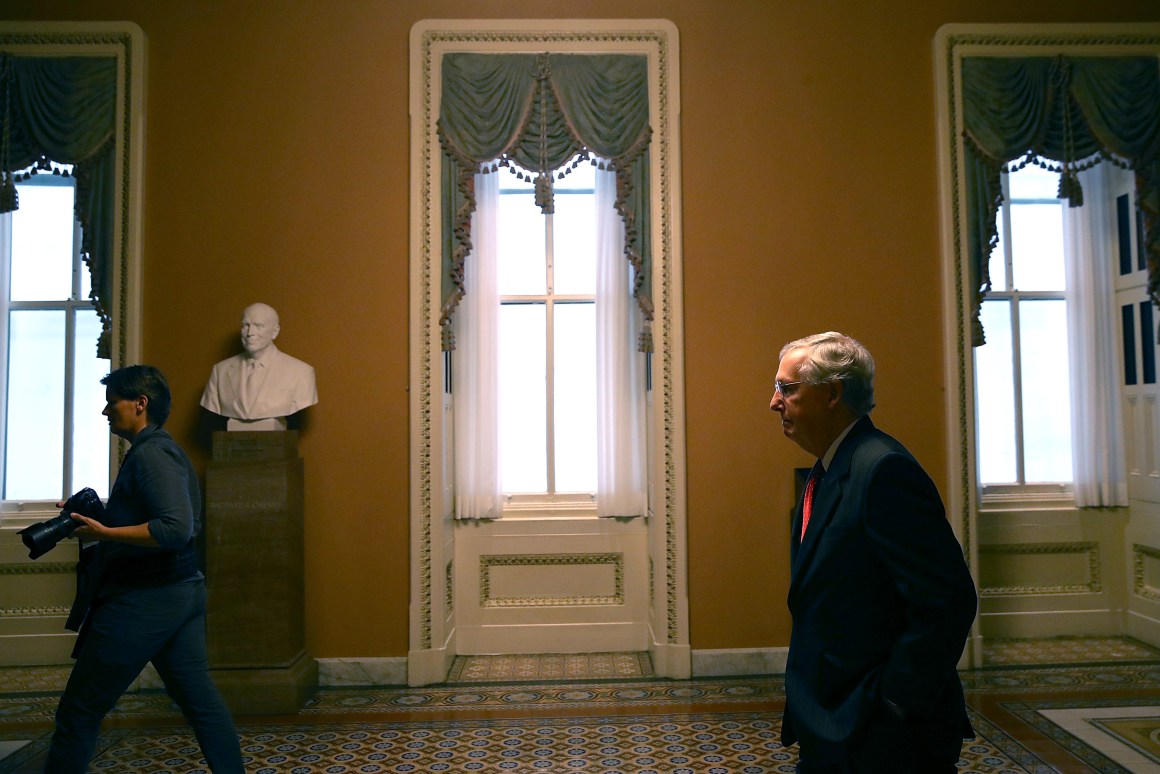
(827, 498)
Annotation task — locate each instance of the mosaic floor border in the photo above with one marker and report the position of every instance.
(1078, 677)
(694, 743)
(550, 666)
(1031, 712)
(37, 707)
(1002, 653)
(600, 725)
(598, 696)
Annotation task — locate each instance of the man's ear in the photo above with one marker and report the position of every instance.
(836, 388)
(142, 404)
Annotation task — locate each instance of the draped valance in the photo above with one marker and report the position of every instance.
(543, 113)
(1073, 111)
(64, 110)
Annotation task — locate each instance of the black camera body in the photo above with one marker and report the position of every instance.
(42, 537)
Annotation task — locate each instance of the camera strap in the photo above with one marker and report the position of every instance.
(88, 578)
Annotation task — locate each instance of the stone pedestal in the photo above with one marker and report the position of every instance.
(255, 625)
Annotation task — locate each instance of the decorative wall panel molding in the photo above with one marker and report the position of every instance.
(1010, 569)
(1146, 572)
(30, 568)
(34, 612)
(611, 565)
(449, 587)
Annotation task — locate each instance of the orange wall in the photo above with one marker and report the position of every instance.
(277, 170)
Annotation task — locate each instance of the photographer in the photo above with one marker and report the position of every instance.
(141, 596)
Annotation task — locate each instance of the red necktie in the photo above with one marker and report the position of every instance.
(808, 499)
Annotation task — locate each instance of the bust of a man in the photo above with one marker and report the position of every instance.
(260, 386)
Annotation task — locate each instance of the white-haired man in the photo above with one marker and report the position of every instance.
(880, 595)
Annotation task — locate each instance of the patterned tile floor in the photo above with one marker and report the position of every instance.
(571, 666)
(1066, 650)
(1050, 715)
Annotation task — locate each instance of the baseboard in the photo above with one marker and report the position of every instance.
(332, 673)
(1051, 623)
(739, 662)
(1143, 628)
(37, 649)
(670, 660)
(148, 680)
(426, 667)
(346, 672)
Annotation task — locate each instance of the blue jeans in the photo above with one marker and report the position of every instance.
(165, 625)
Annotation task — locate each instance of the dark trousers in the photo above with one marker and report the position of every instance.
(165, 625)
(889, 745)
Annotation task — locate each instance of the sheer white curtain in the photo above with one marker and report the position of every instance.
(475, 365)
(620, 434)
(620, 441)
(1097, 427)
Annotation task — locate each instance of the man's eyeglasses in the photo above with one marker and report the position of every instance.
(787, 389)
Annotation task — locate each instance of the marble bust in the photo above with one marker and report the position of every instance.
(260, 386)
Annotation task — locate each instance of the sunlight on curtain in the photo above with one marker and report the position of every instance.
(475, 364)
(1097, 424)
(620, 488)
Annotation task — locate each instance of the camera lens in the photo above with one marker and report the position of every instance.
(42, 537)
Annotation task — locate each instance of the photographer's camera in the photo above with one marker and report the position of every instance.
(42, 537)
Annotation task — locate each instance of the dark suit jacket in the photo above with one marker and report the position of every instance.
(882, 603)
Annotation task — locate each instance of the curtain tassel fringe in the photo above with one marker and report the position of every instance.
(1070, 188)
(9, 198)
(646, 338)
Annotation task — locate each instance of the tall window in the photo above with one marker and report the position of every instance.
(1023, 396)
(547, 350)
(73, 98)
(55, 440)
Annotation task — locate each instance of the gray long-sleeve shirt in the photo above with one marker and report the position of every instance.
(156, 485)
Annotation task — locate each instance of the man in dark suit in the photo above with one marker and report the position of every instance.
(881, 598)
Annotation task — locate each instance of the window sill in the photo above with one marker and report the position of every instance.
(541, 510)
(18, 514)
(1031, 497)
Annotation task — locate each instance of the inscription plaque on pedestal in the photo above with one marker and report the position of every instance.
(255, 624)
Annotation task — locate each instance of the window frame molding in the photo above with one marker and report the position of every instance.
(952, 43)
(432, 532)
(125, 42)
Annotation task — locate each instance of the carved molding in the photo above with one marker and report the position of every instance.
(424, 363)
(996, 40)
(1140, 586)
(34, 612)
(30, 568)
(37, 568)
(1094, 584)
(519, 36)
(652, 586)
(67, 39)
(449, 588)
(488, 562)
